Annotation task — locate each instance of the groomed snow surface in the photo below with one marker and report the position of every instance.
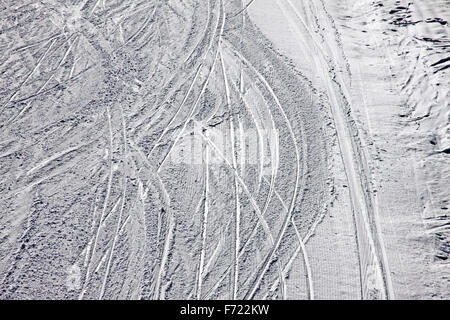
(212, 149)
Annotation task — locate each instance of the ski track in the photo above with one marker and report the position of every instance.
(269, 257)
(106, 94)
